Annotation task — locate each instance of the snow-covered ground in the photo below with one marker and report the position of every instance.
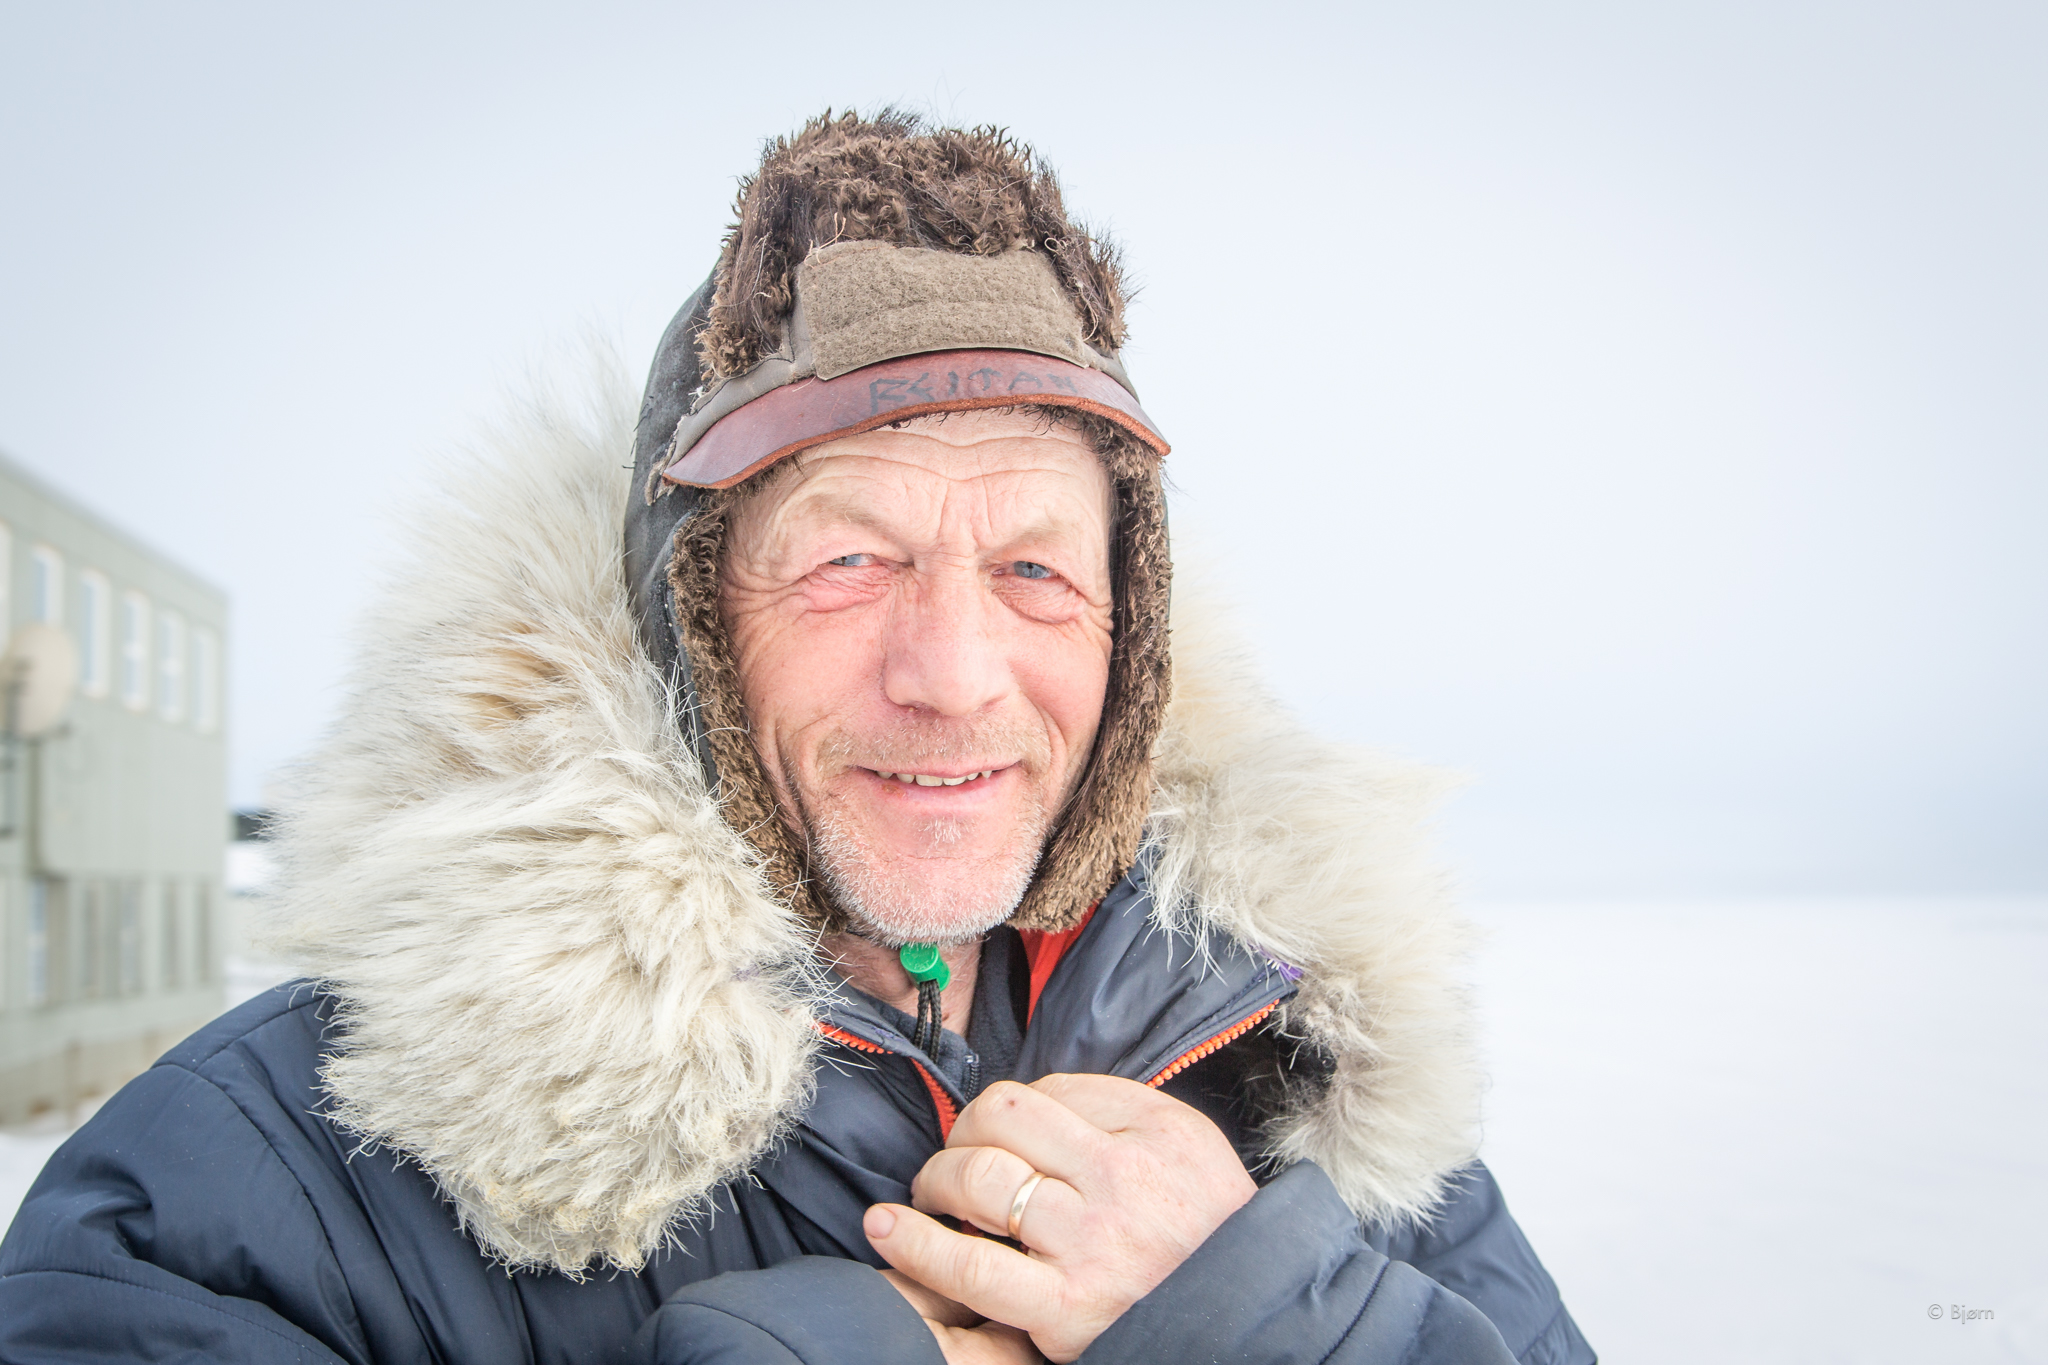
(1753, 1131)
(1779, 1131)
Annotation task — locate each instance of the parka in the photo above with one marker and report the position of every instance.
(213, 1211)
(566, 1080)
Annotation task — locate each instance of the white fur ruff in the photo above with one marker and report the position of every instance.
(566, 992)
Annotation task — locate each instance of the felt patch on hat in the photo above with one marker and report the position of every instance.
(870, 301)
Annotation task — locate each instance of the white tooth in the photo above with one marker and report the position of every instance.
(905, 778)
(925, 780)
(951, 781)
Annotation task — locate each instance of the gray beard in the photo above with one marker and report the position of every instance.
(893, 909)
(886, 900)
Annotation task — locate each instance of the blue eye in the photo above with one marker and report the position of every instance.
(852, 561)
(1024, 568)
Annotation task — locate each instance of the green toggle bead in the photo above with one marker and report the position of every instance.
(923, 962)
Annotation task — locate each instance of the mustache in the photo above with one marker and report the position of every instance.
(912, 743)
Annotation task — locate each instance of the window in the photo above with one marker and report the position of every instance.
(171, 951)
(6, 581)
(46, 586)
(202, 933)
(135, 651)
(91, 957)
(129, 942)
(205, 680)
(95, 633)
(170, 665)
(39, 941)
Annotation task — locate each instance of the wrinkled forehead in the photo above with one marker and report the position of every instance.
(979, 478)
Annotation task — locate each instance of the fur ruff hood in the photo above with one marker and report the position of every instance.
(564, 988)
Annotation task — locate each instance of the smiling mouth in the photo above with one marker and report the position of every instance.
(932, 780)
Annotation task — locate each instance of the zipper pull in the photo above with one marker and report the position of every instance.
(929, 970)
(924, 964)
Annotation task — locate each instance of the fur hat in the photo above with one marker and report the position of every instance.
(889, 179)
(1029, 279)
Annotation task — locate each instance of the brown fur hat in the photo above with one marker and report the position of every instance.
(890, 179)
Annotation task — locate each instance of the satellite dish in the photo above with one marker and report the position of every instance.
(41, 677)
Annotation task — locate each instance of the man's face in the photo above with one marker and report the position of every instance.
(921, 620)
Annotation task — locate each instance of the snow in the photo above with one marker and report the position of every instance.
(1765, 1131)
(248, 867)
(1778, 1131)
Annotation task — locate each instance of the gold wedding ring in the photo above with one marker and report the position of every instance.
(1017, 1204)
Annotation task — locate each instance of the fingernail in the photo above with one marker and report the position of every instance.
(879, 1222)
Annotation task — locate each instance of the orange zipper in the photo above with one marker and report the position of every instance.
(948, 1112)
(840, 1035)
(941, 1101)
(1223, 1039)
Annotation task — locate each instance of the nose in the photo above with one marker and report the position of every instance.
(944, 651)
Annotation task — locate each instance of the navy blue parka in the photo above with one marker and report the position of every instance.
(211, 1211)
(220, 1208)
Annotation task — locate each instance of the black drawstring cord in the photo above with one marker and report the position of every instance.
(927, 967)
(928, 1024)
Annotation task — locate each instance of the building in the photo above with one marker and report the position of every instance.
(112, 823)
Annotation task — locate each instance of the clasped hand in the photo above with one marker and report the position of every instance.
(1134, 1182)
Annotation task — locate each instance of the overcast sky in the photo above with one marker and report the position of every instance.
(1639, 407)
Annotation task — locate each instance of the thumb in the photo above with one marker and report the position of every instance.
(980, 1272)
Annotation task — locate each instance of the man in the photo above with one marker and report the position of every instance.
(832, 923)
